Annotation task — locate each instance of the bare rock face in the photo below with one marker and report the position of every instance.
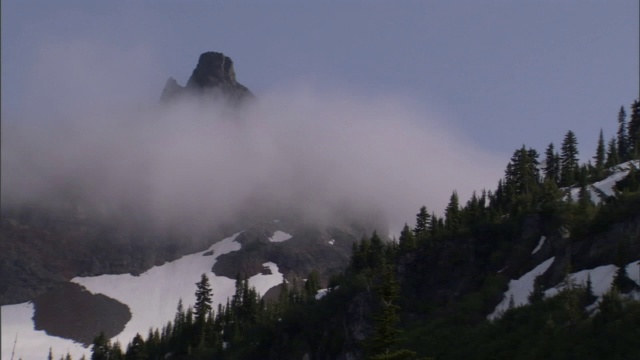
(214, 77)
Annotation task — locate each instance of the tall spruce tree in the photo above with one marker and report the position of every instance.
(422, 222)
(599, 158)
(569, 159)
(407, 241)
(452, 213)
(552, 164)
(613, 158)
(623, 139)
(203, 299)
(634, 131)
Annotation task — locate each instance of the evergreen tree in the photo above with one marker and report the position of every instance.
(634, 131)
(537, 294)
(203, 299)
(552, 164)
(422, 222)
(136, 349)
(599, 158)
(623, 139)
(50, 356)
(613, 158)
(407, 241)
(569, 159)
(312, 285)
(452, 213)
(100, 348)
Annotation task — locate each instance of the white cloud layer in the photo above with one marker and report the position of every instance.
(201, 161)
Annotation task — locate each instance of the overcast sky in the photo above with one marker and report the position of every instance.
(502, 72)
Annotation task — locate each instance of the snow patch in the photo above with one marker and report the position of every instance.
(540, 244)
(280, 236)
(332, 241)
(519, 289)
(321, 293)
(606, 186)
(601, 278)
(262, 282)
(152, 298)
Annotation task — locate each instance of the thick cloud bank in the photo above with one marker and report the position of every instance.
(195, 160)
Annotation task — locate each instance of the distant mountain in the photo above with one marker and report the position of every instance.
(213, 77)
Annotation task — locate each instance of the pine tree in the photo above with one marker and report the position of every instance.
(312, 285)
(599, 158)
(634, 131)
(623, 139)
(613, 158)
(407, 241)
(537, 294)
(452, 213)
(50, 356)
(385, 333)
(552, 164)
(569, 159)
(203, 298)
(422, 222)
(136, 349)
(100, 347)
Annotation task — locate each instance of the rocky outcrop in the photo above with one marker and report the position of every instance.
(213, 77)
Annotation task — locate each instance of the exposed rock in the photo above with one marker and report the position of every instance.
(213, 76)
(71, 312)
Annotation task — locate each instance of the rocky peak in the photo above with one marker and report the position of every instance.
(213, 76)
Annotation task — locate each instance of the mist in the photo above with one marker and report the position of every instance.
(201, 162)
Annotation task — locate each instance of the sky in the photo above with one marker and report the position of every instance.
(502, 72)
(482, 77)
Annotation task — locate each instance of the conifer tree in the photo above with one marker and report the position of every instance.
(407, 241)
(623, 139)
(569, 159)
(599, 158)
(100, 347)
(613, 158)
(136, 349)
(422, 222)
(537, 294)
(452, 213)
(552, 164)
(203, 298)
(634, 131)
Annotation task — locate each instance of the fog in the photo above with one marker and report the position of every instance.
(200, 161)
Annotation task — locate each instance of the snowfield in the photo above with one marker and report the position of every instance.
(606, 185)
(152, 298)
(601, 279)
(519, 289)
(280, 236)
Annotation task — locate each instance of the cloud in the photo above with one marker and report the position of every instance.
(295, 147)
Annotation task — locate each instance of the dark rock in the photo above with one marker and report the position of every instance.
(213, 77)
(71, 312)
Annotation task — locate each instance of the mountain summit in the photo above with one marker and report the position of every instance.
(214, 76)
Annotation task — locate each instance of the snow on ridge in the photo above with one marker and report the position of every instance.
(262, 283)
(280, 236)
(606, 185)
(151, 297)
(540, 244)
(321, 293)
(519, 289)
(601, 278)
